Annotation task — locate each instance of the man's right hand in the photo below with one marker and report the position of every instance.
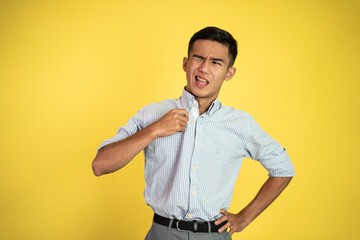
(172, 122)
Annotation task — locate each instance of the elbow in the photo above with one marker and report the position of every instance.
(98, 164)
(96, 168)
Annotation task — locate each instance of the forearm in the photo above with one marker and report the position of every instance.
(116, 155)
(266, 195)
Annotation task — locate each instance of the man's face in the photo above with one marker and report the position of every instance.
(207, 68)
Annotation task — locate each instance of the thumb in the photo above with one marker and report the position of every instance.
(223, 211)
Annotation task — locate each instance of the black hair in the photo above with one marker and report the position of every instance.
(218, 35)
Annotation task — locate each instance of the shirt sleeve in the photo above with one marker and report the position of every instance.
(272, 156)
(135, 124)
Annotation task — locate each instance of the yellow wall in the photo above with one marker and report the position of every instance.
(72, 72)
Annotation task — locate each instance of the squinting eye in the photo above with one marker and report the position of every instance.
(217, 63)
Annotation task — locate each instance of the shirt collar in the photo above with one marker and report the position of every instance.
(189, 101)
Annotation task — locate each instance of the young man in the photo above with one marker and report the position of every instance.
(194, 148)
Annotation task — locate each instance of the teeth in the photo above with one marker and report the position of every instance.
(201, 80)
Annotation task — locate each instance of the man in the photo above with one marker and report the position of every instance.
(194, 148)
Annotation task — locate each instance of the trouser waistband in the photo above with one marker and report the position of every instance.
(193, 226)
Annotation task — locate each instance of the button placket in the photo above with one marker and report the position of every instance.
(193, 198)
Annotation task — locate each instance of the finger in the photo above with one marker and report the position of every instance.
(182, 128)
(223, 228)
(186, 115)
(232, 231)
(182, 122)
(182, 112)
(182, 117)
(223, 211)
(220, 220)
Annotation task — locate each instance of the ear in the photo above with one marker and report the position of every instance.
(185, 62)
(231, 72)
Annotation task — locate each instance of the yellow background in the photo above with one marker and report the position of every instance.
(72, 72)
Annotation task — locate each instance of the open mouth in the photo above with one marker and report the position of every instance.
(200, 81)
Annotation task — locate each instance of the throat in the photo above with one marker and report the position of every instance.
(204, 104)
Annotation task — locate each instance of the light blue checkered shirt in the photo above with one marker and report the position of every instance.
(191, 175)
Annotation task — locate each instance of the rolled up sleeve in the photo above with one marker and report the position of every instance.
(135, 124)
(263, 148)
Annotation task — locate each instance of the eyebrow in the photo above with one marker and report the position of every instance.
(218, 59)
(213, 59)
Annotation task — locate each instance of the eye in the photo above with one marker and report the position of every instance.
(196, 58)
(217, 63)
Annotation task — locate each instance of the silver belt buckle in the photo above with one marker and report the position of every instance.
(177, 226)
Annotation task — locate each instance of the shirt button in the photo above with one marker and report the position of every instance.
(187, 109)
(197, 143)
(190, 215)
(194, 102)
(193, 168)
(193, 192)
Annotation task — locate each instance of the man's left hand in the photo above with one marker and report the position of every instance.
(236, 222)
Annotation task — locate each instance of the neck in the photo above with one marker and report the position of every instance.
(204, 104)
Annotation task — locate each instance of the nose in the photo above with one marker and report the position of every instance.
(204, 66)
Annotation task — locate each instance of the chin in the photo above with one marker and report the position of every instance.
(200, 93)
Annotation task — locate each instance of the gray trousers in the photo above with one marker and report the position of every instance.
(160, 232)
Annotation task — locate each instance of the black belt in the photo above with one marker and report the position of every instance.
(193, 226)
